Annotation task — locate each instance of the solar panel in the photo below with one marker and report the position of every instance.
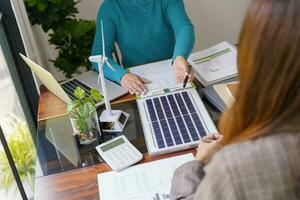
(174, 119)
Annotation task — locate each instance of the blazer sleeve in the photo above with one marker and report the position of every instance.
(186, 180)
(194, 181)
(110, 31)
(182, 27)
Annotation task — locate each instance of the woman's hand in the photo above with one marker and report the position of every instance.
(208, 146)
(134, 84)
(181, 69)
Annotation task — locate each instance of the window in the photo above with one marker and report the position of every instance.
(18, 108)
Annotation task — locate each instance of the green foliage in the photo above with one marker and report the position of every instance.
(82, 109)
(73, 41)
(23, 153)
(72, 37)
(50, 14)
(96, 95)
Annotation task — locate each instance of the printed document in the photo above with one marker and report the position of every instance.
(160, 74)
(215, 64)
(149, 181)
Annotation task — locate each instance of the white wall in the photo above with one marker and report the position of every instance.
(214, 20)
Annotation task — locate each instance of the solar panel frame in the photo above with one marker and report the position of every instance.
(176, 116)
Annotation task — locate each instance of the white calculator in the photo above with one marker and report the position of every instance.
(119, 153)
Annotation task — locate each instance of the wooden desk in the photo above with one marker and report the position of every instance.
(79, 183)
(50, 106)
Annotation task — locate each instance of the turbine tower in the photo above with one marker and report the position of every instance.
(111, 120)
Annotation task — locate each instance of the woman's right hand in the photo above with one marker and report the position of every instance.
(134, 84)
(208, 146)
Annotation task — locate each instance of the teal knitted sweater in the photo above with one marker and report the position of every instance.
(145, 31)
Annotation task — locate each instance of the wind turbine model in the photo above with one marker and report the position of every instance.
(112, 120)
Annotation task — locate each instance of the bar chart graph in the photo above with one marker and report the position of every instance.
(161, 196)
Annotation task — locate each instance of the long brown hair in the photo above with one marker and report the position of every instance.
(268, 96)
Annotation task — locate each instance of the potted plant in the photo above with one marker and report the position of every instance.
(71, 36)
(83, 115)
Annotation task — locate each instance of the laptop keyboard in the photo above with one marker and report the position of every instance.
(70, 86)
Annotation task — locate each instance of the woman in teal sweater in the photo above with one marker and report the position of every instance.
(145, 31)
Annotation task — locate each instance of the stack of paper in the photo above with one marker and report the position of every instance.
(159, 74)
(215, 64)
(150, 181)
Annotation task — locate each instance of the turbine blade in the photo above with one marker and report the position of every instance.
(103, 40)
(110, 66)
(100, 70)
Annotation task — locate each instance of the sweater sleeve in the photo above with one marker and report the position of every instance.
(213, 182)
(183, 28)
(110, 38)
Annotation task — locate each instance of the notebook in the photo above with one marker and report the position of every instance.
(215, 64)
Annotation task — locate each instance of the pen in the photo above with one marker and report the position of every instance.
(187, 76)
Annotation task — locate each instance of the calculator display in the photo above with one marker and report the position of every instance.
(112, 144)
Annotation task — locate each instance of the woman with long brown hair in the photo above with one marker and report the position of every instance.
(260, 153)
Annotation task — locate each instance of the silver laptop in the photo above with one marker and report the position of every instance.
(65, 90)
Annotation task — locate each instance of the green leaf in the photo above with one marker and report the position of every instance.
(79, 93)
(31, 3)
(55, 1)
(41, 6)
(79, 28)
(72, 105)
(89, 100)
(96, 95)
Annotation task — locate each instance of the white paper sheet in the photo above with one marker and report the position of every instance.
(160, 74)
(216, 63)
(141, 182)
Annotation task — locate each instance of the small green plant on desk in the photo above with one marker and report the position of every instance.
(83, 115)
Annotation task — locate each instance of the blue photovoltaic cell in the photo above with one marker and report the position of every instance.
(181, 104)
(188, 102)
(158, 135)
(190, 125)
(199, 125)
(174, 120)
(166, 107)
(175, 131)
(151, 110)
(173, 105)
(167, 133)
(182, 128)
(159, 110)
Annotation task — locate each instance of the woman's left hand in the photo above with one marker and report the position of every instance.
(208, 146)
(181, 68)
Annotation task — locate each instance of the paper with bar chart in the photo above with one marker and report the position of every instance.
(149, 181)
(215, 64)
